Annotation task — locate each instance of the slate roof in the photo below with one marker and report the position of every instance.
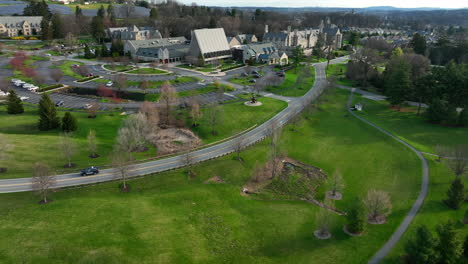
(276, 35)
(18, 21)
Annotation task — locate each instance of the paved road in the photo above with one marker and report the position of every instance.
(251, 137)
(396, 236)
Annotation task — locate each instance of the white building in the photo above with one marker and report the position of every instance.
(209, 44)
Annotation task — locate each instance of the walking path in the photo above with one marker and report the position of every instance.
(396, 236)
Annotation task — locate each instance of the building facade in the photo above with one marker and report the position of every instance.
(208, 45)
(164, 50)
(133, 33)
(12, 26)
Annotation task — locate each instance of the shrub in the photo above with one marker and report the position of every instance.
(455, 195)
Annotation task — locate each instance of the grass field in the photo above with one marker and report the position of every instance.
(168, 218)
(66, 68)
(410, 127)
(118, 68)
(21, 131)
(290, 85)
(147, 71)
(338, 72)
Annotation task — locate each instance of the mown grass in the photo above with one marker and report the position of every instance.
(290, 86)
(67, 69)
(118, 68)
(147, 71)
(168, 218)
(411, 127)
(338, 72)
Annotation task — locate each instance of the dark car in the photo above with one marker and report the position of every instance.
(89, 171)
(59, 103)
(257, 76)
(252, 81)
(89, 75)
(254, 72)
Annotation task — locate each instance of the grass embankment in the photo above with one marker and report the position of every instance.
(21, 131)
(155, 84)
(424, 136)
(118, 68)
(213, 223)
(411, 127)
(291, 86)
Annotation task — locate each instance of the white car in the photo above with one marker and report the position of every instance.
(14, 80)
(24, 98)
(19, 83)
(109, 84)
(28, 85)
(48, 55)
(33, 89)
(87, 106)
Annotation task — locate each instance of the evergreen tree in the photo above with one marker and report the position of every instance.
(153, 13)
(398, 81)
(421, 248)
(14, 104)
(87, 53)
(465, 247)
(450, 247)
(36, 8)
(101, 12)
(97, 52)
(104, 50)
(437, 111)
(69, 123)
(97, 28)
(298, 56)
(78, 12)
(212, 23)
(46, 29)
(463, 117)
(117, 48)
(48, 118)
(419, 44)
(111, 14)
(356, 218)
(456, 194)
(57, 27)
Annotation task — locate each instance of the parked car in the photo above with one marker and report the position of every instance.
(75, 66)
(59, 103)
(244, 74)
(280, 74)
(48, 54)
(14, 80)
(257, 76)
(255, 72)
(87, 106)
(89, 75)
(24, 98)
(252, 81)
(33, 89)
(109, 84)
(89, 171)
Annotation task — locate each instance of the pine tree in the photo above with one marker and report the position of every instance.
(69, 123)
(153, 13)
(111, 14)
(97, 28)
(465, 247)
(87, 53)
(46, 29)
(57, 27)
(398, 81)
(15, 106)
(356, 218)
(450, 247)
(437, 111)
(101, 12)
(48, 118)
(78, 12)
(104, 50)
(456, 194)
(421, 248)
(419, 44)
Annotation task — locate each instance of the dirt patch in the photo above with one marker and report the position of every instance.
(173, 140)
(215, 179)
(336, 197)
(322, 235)
(379, 220)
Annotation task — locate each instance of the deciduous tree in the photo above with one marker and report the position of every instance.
(92, 144)
(56, 74)
(42, 181)
(168, 98)
(378, 206)
(68, 148)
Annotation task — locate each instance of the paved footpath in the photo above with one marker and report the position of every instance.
(396, 236)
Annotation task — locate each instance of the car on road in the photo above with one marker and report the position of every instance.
(33, 89)
(255, 72)
(109, 84)
(252, 81)
(89, 171)
(87, 106)
(257, 76)
(24, 98)
(89, 75)
(75, 66)
(244, 74)
(59, 103)
(48, 55)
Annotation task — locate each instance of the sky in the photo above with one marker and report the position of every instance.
(333, 3)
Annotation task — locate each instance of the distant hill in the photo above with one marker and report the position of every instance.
(372, 9)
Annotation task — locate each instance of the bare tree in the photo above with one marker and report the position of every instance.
(151, 113)
(131, 137)
(92, 111)
(121, 82)
(458, 161)
(188, 160)
(144, 86)
(441, 151)
(195, 112)
(248, 69)
(336, 186)
(168, 98)
(323, 222)
(56, 74)
(70, 40)
(239, 144)
(4, 86)
(214, 112)
(92, 144)
(68, 148)
(121, 161)
(42, 182)
(275, 130)
(378, 206)
(5, 146)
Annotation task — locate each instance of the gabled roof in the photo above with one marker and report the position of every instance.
(15, 21)
(276, 35)
(260, 48)
(210, 40)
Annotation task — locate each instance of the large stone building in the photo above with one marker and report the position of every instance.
(260, 52)
(331, 34)
(208, 45)
(12, 26)
(164, 50)
(133, 33)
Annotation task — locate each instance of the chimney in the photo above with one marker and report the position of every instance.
(266, 28)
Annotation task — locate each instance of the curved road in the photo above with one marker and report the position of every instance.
(251, 137)
(396, 236)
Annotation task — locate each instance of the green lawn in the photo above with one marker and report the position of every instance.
(242, 80)
(148, 71)
(67, 69)
(118, 68)
(338, 71)
(410, 127)
(290, 85)
(168, 218)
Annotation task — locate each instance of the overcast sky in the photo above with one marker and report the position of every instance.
(334, 3)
